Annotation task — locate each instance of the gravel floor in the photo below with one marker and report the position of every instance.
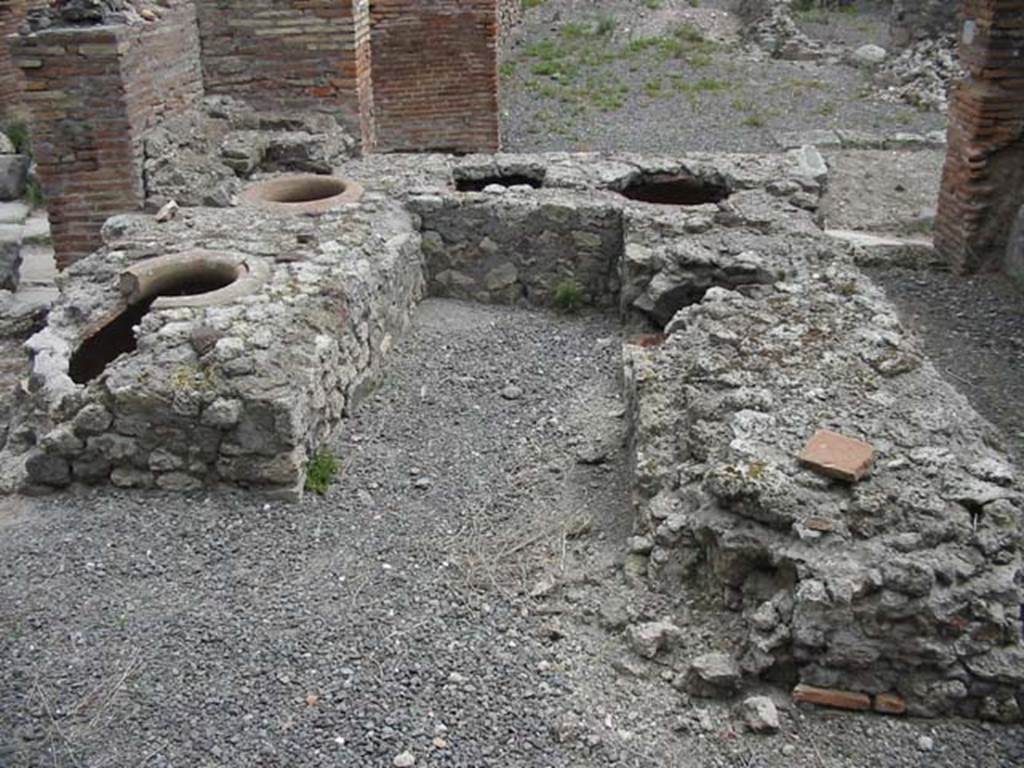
(449, 597)
(973, 329)
(883, 191)
(665, 77)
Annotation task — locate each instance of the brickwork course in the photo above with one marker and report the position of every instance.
(435, 74)
(306, 54)
(983, 180)
(93, 91)
(12, 13)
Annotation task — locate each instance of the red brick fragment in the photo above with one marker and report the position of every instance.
(835, 455)
(890, 704)
(828, 697)
(647, 340)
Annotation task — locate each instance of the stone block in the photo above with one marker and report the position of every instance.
(10, 257)
(13, 176)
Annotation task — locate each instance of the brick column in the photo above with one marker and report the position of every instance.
(983, 180)
(282, 54)
(92, 93)
(435, 74)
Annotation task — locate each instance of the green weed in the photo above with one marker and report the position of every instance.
(568, 296)
(320, 471)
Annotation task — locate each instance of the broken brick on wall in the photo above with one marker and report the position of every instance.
(435, 74)
(983, 179)
(93, 91)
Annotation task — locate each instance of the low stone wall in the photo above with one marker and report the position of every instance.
(521, 245)
(540, 222)
(914, 20)
(904, 583)
(239, 394)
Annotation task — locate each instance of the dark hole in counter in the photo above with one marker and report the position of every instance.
(677, 189)
(117, 337)
(507, 180)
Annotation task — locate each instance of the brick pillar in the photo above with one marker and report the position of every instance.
(292, 54)
(435, 74)
(983, 179)
(92, 93)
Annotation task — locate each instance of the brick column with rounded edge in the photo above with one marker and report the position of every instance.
(292, 54)
(983, 179)
(435, 74)
(92, 92)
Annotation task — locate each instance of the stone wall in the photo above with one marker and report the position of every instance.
(92, 92)
(307, 54)
(435, 74)
(521, 244)
(914, 20)
(901, 587)
(983, 180)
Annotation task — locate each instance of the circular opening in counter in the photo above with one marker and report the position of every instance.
(675, 189)
(302, 193)
(190, 279)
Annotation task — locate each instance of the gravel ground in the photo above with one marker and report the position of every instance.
(455, 595)
(973, 329)
(883, 191)
(614, 74)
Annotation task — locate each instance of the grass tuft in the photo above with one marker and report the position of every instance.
(568, 296)
(321, 471)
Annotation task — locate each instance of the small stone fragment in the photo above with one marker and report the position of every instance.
(512, 392)
(760, 714)
(835, 455)
(614, 614)
(926, 743)
(651, 637)
(404, 760)
(168, 212)
(712, 675)
(828, 697)
(869, 56)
